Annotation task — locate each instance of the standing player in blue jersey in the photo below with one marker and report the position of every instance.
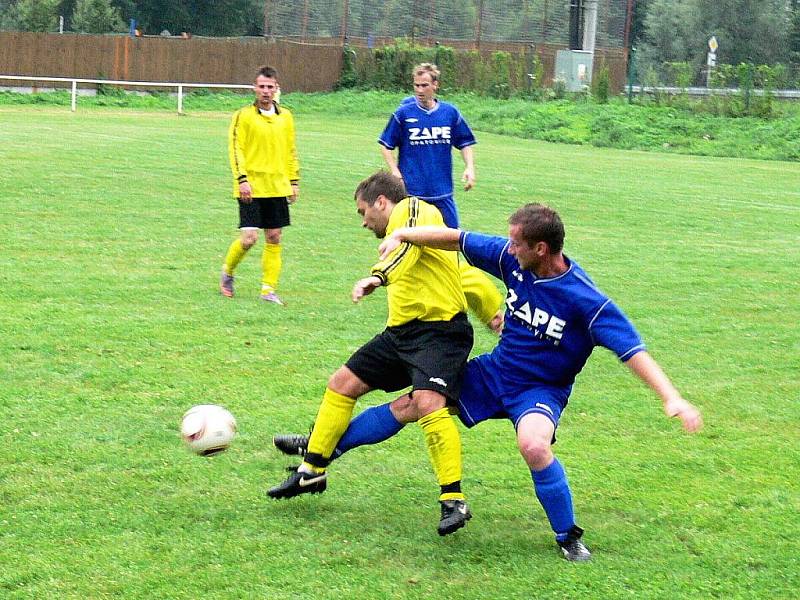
(424, 130)
(555, 316)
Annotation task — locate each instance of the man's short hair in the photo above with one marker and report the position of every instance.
(429, 68)
(267, 72)
(381, 183)
(540, 223)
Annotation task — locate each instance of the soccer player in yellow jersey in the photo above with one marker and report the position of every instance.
(425, 345)
(266, 176)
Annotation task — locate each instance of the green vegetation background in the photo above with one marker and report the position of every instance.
(679, 125)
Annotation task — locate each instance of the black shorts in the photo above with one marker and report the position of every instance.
(427, 355)
(264, 213)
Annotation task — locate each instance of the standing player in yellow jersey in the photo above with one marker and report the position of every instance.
(425, 345)
(266, 177)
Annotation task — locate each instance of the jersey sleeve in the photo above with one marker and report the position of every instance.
(390, 138)
(236, 137)
(407, 214)
(487, 252)
(610, 328)
(462, 134)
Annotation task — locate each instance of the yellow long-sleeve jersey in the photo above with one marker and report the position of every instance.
(422, 283)
(262, 150)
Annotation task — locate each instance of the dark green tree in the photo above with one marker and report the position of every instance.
(96, 16)
(755, 31)
(36, 15)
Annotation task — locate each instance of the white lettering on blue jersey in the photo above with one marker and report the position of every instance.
(552, 324)
(425, 139)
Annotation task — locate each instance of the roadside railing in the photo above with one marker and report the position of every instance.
(703, 91)
(179, 87)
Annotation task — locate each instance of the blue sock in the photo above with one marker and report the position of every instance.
(371, 426)
(552, 490)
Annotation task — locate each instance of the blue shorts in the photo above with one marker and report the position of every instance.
(484, 395)
(446, 206)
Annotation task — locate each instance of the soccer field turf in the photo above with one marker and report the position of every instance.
(114, 224)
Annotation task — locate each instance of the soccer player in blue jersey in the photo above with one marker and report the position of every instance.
(555, 316)
(424, 130)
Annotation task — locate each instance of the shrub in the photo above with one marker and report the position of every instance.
(601, 85)
(501, 75)
(348, 77)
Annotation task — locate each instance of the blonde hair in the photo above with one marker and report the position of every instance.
(429, 68)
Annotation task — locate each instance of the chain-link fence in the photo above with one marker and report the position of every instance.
(470, 22)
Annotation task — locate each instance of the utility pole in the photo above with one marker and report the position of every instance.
(628, 20)
(478, 26)
(345, 19)
(590, 25)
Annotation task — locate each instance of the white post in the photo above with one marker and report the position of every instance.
(180, 99)
(590, 26)
(74, 94)
(61, 24)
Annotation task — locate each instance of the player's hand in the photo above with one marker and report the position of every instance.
(364, 287)
(245, 192)
(496, 324)
(469, 179)
(388, 245)
(688, 414)
(295, 193)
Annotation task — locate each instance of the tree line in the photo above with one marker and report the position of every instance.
(202, 17)
(663, 32)
(756, 32)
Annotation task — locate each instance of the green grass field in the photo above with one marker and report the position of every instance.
(114, 223)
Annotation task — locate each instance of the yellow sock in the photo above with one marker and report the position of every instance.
(234, 256)
(332, 421)
(482, 296)
(444, 448)
(270, 267)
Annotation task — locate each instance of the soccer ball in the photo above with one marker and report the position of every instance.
(208, 429)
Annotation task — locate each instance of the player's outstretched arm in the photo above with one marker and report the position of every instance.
(648, 370)
(432, 236)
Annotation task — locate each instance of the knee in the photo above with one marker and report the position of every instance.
(339, 382)
(248, 239)
(427, 402)
(346, 383)
(536, 452)
(273, 236)
(404, 409)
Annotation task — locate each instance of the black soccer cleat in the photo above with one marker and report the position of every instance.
(299, 483)
(573, 548)
(293, 444)
(455, 514)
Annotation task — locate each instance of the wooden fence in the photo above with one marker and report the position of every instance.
(303, 68)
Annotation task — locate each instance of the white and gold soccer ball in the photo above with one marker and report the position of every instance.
(208, 429)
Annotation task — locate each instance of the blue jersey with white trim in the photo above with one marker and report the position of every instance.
(425, 139)
(551, 324)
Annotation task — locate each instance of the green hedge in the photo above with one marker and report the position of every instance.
(499, 74)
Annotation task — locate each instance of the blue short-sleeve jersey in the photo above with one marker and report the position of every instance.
(425, 139)
(551, 324)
